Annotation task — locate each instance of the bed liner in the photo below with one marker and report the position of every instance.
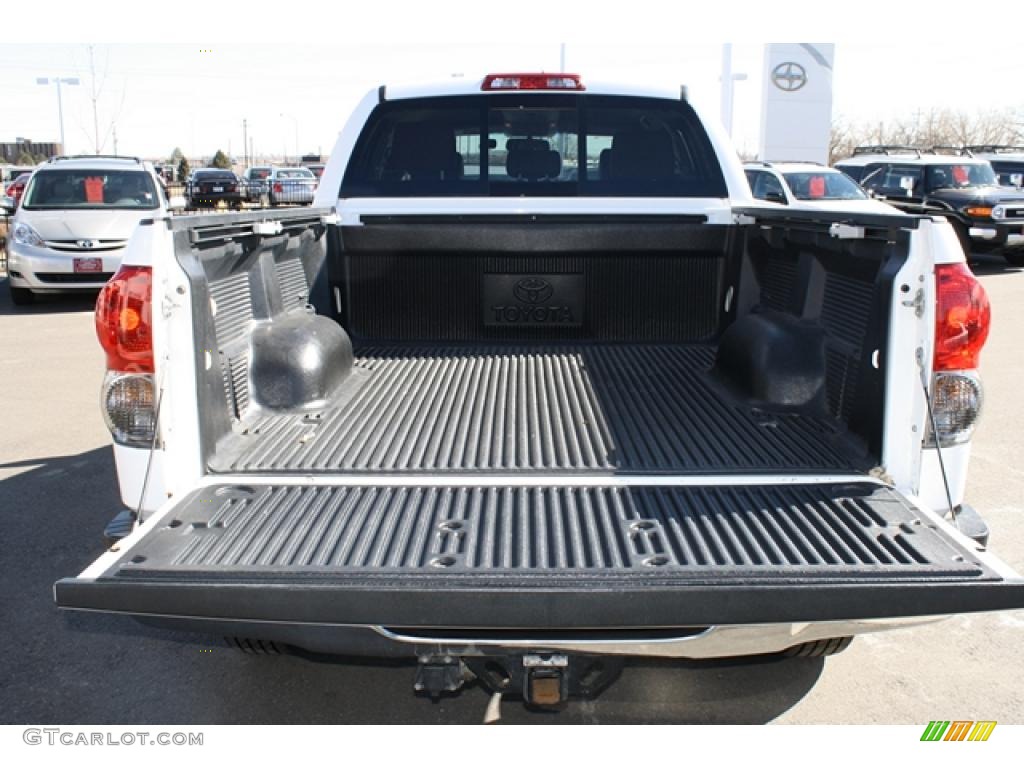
(595, 408)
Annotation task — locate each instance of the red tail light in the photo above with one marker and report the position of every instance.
(278, 187)
(124, 320)
(533, 82)
(962, 317)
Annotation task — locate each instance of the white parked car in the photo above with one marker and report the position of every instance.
(810, 186)
(74, 221)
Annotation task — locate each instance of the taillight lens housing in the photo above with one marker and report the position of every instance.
(962, 318)
(128, 403)
(278, 188)
(957, 399)
(124, 322)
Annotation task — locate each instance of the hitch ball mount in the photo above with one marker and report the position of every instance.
(542, 680)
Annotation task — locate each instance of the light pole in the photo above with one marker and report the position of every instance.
(60, 105)
(296, 136)
(728, 80)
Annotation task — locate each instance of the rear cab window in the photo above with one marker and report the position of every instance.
(533, 145)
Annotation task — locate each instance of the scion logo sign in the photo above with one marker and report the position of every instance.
(533, 300)
(789, 76)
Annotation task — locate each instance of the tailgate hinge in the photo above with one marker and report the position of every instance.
(917, 302)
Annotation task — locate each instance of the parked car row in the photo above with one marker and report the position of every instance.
(964, 188)
(265, 185)
(985, 204)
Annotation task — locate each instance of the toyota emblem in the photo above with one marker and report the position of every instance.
(789, 76)
(533, 290)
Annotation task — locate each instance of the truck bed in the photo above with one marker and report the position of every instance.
(598, 408)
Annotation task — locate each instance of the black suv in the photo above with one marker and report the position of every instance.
(961, 187)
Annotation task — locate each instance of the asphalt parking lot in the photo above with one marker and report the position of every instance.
(57, 490)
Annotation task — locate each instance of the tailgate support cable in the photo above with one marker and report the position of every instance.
(152, 446)
(935, 434)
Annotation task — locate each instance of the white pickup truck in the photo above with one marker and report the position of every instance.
(534, 387)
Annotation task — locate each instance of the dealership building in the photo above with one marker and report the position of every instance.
(10, 151)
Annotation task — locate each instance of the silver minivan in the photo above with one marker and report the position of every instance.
(74, 221)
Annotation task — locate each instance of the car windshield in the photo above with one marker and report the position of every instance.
(823, 185)
(91, 189)
(960, 176)
(259, 173)
(294, 173)
(215, 176)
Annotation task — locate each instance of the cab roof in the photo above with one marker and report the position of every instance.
(470, 86)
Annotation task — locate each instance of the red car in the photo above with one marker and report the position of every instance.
(17, 187)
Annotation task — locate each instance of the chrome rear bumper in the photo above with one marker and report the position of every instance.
(709, 643)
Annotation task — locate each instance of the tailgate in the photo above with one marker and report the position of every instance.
(593, 554)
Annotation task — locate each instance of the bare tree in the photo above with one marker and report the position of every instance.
(100, 137)
(936, 127)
